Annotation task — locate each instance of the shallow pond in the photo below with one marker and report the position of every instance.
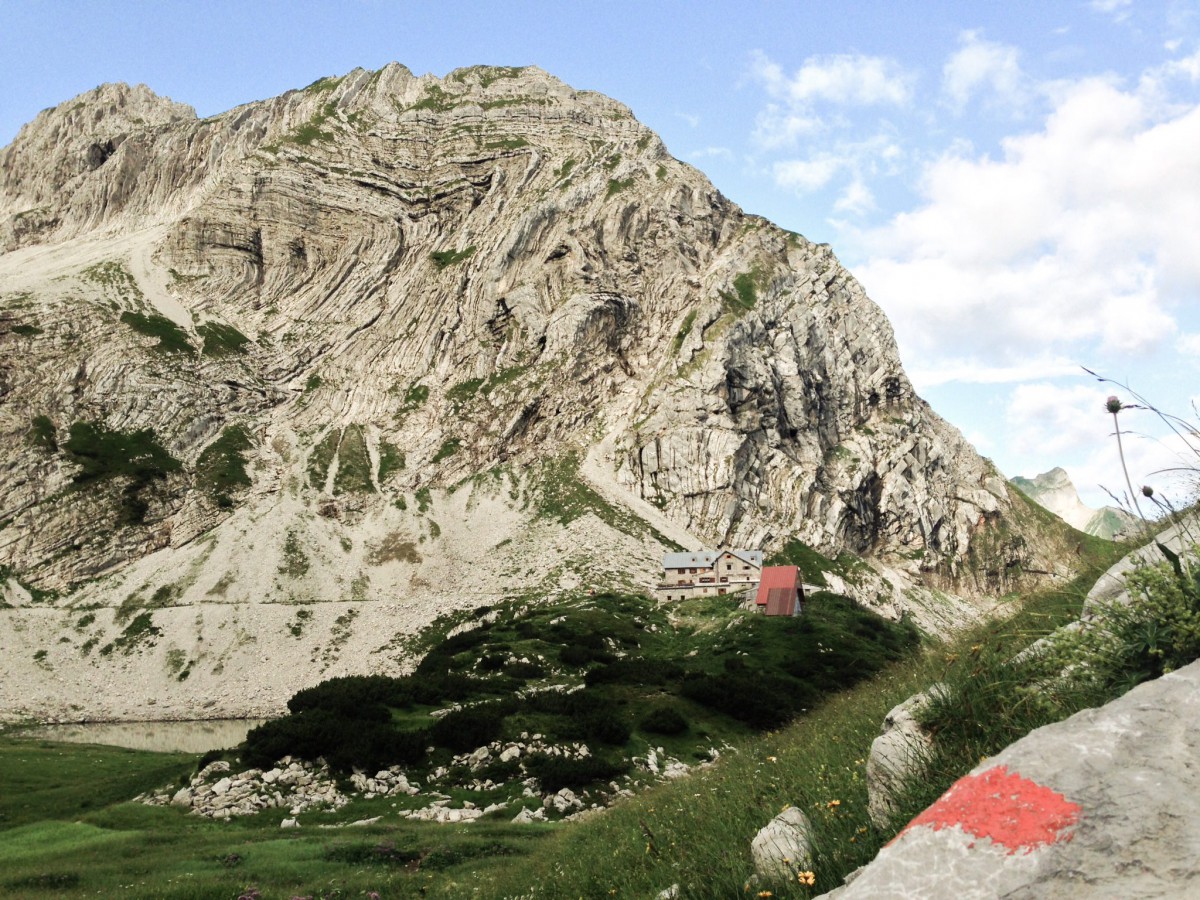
(164, 737)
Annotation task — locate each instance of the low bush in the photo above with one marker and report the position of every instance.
(43, 434)
(663, 720)
(466, 729)
(344, 696)
(171, 338)
(557, 772)
(343, 742)
(524, 671)
(635, 670)
(760, 700)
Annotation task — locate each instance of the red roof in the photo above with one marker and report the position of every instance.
(779, 590)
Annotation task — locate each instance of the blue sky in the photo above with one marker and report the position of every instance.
(1016, 184)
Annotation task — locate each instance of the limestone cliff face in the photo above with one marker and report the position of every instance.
(395, 286)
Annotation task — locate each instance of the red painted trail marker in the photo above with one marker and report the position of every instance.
(1016, 813)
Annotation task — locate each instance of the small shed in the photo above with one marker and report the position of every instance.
(780, 591)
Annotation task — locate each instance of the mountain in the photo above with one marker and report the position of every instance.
(1055, 492)
(281, 385)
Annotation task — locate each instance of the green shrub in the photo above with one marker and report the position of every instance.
(558, 772)
(663, 720)
(445, 258)
(391, 460)
(524, 670)
(43, 434)
(344, 742)
(758, 699)
(579, 655)
(321, 458)
(344, 695)
(635, 670)
(684, 330)
(492, 662)
(466, 729)
(616, 185)
(449, 447)
(354, 464)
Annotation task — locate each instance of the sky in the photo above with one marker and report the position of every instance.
(1016, 184)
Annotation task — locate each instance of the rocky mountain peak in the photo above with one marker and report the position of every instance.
(390, 332)
(1056, 492)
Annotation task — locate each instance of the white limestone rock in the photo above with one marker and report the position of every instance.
(897, 755)
(782, 847)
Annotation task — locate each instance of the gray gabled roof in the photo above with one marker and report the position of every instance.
(754, 557)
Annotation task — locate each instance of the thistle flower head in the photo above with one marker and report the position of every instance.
(1113, 405)
(1147, 491)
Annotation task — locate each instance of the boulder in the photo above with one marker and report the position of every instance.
(782, 846)
(1102, 804)
(897, 755)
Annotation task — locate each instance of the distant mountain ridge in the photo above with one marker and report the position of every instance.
(1055, 491)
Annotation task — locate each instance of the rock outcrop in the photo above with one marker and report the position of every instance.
(783, 846)
(1100, 805)
(898, 755)
(281, 385)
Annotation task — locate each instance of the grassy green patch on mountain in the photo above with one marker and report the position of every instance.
(221, 468)
(47, 781)
(354, 464)
(136, 455)
(171, 338)
(221, 339)
(561, 493)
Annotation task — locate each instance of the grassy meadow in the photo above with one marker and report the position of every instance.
(67, 828)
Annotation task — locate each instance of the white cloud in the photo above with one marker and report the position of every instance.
(855, 198)
(1049, 425)
(1080, 239)
(692, 119)
(845, 80)
(842, 79)
(1055, 421)
(807, 175)
(778, 127)
(971, 371)
(984, 67)
(850, 164)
